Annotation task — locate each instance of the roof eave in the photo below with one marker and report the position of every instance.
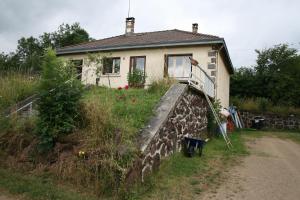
(228, 56)
(141, 46)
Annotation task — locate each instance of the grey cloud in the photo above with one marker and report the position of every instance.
(245, 25)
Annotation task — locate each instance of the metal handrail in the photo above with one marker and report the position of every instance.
(207, 87)
(205, 73)
(197, 77)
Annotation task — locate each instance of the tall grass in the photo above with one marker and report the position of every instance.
(262, 105)
(112, 118)
(15, 87)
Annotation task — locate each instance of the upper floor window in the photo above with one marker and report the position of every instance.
(111, 66)
(78, 65)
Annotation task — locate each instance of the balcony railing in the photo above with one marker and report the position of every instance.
(203, 82)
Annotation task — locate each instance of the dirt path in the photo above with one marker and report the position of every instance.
(272, 171)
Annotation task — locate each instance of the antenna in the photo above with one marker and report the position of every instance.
(128, 7)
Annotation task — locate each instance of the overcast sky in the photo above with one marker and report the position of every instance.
(245, 24)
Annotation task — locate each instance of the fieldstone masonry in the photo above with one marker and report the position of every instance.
(181, 112)
(273, 121)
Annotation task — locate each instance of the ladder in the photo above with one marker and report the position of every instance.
(194, 81)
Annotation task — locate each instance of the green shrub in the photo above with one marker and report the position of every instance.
(136, 78)
(58, 106)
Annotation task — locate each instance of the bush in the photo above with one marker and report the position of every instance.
(136, 78)
(58, 106)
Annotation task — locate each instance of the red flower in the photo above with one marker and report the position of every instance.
(126, 87)
(119, 88)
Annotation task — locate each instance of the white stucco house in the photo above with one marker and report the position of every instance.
(159, 54)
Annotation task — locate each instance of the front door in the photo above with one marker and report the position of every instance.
(179, 66)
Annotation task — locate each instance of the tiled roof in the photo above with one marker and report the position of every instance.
(155, 39)
(139, 39)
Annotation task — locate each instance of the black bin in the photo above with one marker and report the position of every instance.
(257, 122)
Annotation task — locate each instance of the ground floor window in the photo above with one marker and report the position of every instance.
(78, 65)
(179, 66)
(137, 63)
(111, 66)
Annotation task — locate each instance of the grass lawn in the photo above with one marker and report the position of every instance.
(132, 107)
(185, 178)
(15, 87)
(179, 177)
(113, 122)
(32, 187)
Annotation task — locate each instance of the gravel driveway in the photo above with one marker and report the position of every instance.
(271, 172)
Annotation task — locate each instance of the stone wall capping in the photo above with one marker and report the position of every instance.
(162, 112)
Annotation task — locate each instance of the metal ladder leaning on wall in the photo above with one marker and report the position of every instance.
(199, 84)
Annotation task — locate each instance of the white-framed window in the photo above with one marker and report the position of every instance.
(179, 66)
(111, 66)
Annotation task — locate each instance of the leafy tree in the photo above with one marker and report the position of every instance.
(30, 51)
(275, 77)
(69, 35)
(60, 92)
(269, 60)
(9, 61)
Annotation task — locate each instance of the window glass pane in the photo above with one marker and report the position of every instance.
(107, 65)
(179, 66)
(140, 64)
(171, 66)
(117, 65)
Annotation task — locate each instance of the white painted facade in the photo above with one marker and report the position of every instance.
(154, 67)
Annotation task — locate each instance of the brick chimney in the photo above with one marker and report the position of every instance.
(129, 25)
(195, 28)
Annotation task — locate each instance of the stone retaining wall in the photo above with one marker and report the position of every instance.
(273, 121)
(181, 112)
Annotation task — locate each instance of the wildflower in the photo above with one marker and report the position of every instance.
(119, 88)
(126, 87)
(81, 153)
